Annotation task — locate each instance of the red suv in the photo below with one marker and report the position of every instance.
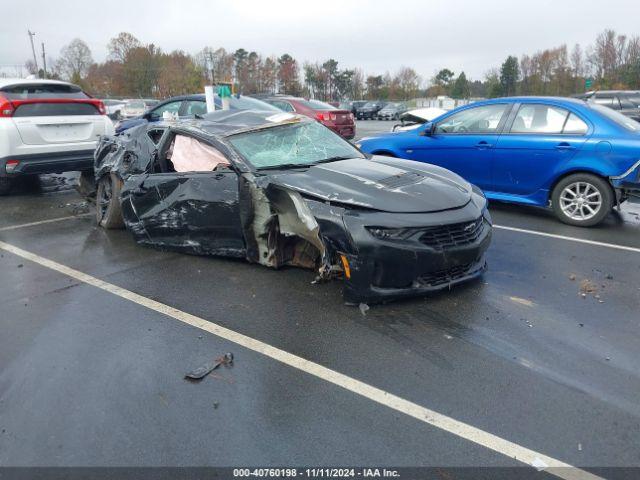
(340, 121)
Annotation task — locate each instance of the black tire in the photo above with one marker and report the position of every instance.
(87, 185)
(108, 208)
(6, 184)
(596, 188)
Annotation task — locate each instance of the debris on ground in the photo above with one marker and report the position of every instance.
(608, 276)
(572, 277)
(20, 265)
(522, 301)
(76, 207)
(215, 405)
(579, 447)
(587, 286)
(363, 308)
(202, 371)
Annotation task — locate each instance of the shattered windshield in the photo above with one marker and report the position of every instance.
(289, 145)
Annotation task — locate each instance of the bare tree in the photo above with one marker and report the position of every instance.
(120, 46)
(408, 82)
(75, 60)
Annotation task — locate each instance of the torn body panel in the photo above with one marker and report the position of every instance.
(282, 230)
(192, 212)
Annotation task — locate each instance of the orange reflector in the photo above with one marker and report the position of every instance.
(345, 266)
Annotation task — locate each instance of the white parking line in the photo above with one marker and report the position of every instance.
(571, 239)
(42, 222)
(423, 414)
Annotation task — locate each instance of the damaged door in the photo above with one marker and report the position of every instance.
(197, 212)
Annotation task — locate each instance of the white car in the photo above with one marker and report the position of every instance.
(47, 126)
(133, 108)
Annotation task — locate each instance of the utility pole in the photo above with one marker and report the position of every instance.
(33, 49)
(44, 62)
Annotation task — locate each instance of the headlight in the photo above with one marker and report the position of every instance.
(390, 233)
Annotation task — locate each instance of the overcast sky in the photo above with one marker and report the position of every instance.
(375, 35)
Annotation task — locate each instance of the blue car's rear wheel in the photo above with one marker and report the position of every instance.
(582, 199)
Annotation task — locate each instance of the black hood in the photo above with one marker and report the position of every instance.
(383, 183)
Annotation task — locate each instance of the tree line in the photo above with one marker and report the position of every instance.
(611, 62)
(135, 69)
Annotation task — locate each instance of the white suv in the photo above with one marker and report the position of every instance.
(47, 126)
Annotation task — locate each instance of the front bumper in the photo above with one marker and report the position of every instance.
(383, 270)
(56, 162)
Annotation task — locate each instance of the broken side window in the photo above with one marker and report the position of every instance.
(190, 155)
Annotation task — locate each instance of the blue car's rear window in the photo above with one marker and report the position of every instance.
(618, 118)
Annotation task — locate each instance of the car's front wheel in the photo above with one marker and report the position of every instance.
(108, 208)
(582, 199)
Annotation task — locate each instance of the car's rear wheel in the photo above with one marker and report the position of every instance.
(6, 184)
(582, 199)
(108, 208)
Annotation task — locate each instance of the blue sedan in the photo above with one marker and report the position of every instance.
(579, 158)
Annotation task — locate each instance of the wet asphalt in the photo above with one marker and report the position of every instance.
(90, 379)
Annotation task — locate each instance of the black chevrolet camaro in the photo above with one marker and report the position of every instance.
(280, 189)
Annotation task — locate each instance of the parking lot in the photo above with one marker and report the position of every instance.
(536, 362)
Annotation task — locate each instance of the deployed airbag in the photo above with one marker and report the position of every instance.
(190, 155)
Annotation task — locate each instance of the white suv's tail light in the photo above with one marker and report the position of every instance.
(6, 107)
(11, 165)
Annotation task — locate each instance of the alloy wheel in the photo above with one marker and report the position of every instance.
(580, 201)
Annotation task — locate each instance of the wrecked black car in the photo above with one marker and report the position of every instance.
(283, 190)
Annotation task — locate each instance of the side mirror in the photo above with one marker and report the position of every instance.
(429, 129)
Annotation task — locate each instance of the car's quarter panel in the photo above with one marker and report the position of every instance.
(196, 212)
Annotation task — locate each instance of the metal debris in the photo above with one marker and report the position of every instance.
(202, 371)
(363, 308)
(587, 286)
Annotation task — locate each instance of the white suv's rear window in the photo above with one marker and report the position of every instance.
(55, 109)
(42, 90)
